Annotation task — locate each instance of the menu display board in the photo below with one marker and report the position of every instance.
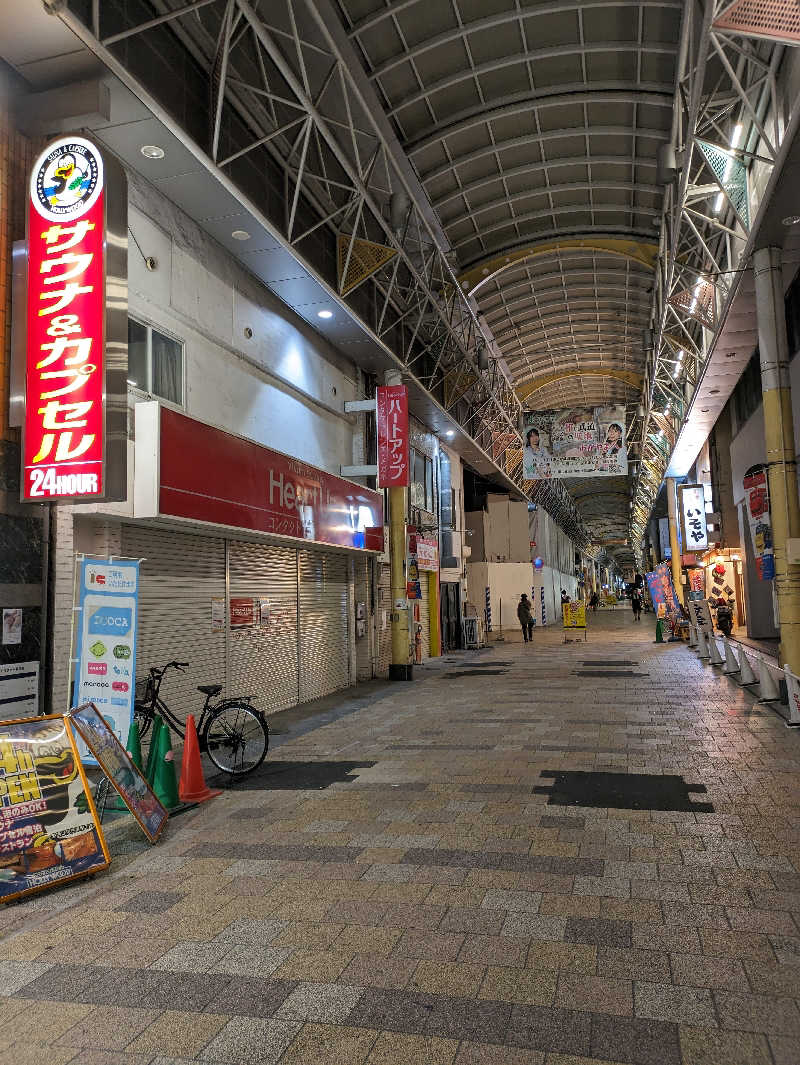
(49, 830)
(117, 765)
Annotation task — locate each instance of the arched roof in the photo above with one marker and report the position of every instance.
(534, 128)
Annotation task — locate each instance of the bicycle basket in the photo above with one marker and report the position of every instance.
(143, 689)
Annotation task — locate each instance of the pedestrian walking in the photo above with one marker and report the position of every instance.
(636, 604)
(564, 596)
(595, 599)
(525, 617)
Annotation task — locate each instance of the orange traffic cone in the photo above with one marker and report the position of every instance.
(192, 786)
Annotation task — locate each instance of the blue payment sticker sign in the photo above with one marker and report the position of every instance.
(106, 619)
(106, 645)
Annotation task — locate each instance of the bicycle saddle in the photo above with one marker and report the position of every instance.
(209, 689)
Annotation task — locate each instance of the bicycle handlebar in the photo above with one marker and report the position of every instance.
(182, 666)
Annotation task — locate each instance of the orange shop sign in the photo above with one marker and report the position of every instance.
(64, 442)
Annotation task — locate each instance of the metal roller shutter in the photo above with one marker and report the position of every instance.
(179, 577)
(424, 616)
(384, 621)
(323, 620)
(262, 660)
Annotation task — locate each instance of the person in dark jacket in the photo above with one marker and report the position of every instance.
(525, 617)
(594, 601)
(636, 604)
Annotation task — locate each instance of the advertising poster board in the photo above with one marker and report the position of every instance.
(575, 443)
(574, 614)
(662, 590)
(19, 689)
(218, 613)
(49, 831)
(116, 763)
(106, 642)
(756, 496)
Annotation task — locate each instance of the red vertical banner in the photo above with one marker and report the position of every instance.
(392, 412)
(64, 429)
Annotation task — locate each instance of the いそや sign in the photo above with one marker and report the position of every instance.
(392, 416)
(692, 504)
(76, 342)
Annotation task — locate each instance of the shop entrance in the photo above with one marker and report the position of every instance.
(451, 615)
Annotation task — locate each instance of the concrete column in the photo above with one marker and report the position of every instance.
(780, 446)
(400, 668)
(672, 510)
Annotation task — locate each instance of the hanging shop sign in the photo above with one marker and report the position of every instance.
(75, 421)
(189, 470)
(392, 416)
(575, 443)
(756, 495)
(665, 547)
(692, 507)
(49, 831)
(118, 766)
(413, 588)
(428, 554)
(106, 645)
(661, 588)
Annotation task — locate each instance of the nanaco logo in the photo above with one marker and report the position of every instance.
(67, 179)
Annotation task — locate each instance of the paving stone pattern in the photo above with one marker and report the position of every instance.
(435, 893)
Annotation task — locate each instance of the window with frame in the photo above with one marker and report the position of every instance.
(421, 481)
(155, 362)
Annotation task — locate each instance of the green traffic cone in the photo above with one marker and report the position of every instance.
(659, 632)
(165, 784)
(158, 724)
(134, 749)
(134, 745)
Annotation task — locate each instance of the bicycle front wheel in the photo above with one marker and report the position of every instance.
(236, 739)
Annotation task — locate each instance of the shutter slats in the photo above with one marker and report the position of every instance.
(262, 660)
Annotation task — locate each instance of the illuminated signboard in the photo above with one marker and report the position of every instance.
(392, 416)
(694, 533)
(76, 352)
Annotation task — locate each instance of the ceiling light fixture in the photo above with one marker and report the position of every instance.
(791, 220)
(324, 314)
(449, 434)
(152, 151)
(240, 234)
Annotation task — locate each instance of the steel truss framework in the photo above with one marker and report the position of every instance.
(276, 71)
(727, 129)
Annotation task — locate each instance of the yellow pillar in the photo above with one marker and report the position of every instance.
(672, 510)
(433, 614)
(779, 439)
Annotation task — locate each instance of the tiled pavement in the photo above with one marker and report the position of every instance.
(434, 908)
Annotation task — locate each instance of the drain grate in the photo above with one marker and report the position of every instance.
(610, 662)
(295, 776)
(455, 674)
(608, 673)
(622, 791)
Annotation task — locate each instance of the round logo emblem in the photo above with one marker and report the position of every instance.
(67, 178)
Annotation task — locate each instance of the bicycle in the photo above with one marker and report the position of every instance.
(232, 732)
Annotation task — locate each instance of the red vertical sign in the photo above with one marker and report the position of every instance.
(64, 444)
(392, 411)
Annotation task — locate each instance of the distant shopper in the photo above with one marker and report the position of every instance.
(595, 599)
(525, 617)
(636, 604)
(564, 597)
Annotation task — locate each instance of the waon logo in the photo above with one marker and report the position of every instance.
(64, 426)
